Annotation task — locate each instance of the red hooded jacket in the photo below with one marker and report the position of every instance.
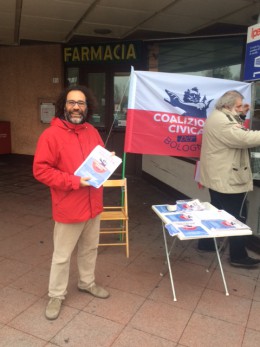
(61, 149)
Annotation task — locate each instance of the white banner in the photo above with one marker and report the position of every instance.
(167, 111)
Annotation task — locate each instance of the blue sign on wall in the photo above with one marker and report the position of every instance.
(252, 58)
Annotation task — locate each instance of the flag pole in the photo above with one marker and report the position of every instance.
(124, 154)
(123, 165)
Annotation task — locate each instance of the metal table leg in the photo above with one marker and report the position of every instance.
(168, 262)
(220, 266)
(221, 250)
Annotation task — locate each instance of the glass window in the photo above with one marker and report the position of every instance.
(121, 88)
(96, 81)
(72, 76)
(211, 57)
(255, 120)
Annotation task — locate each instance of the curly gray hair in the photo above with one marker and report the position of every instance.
(228, 100)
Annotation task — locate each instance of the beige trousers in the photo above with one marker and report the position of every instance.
(65, 237)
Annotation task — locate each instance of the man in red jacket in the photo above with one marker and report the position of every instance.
(76, 206)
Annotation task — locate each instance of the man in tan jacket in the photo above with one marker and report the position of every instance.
(225, 168)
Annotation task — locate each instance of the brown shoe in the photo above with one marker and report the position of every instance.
(53, 308)
(96, 291)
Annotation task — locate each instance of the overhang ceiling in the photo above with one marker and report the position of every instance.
(78, 21)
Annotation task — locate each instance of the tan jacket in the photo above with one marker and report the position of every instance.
(224, 161)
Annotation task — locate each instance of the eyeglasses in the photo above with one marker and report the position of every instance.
(73, 103)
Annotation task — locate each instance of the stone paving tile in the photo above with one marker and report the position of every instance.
(106, 271)
(15, 338)
(131, 337)
(88, 330)
(120, 307)
(14, 244)
(237, 284)
(253, 321)
(187, 295)
(162, 320)
(240, 271)
(148, 262)
(257, 291)
(34, 282)
(11, 270)
(74, 297)
(193, 256)
(135, 281)
(34, 254)
(8, 230)
(116, 255)
(13, 302)
(190, 273)
(230, 308)
(33, 321)
(251, 338)
(205, 331)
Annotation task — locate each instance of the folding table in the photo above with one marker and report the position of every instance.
(213, 234)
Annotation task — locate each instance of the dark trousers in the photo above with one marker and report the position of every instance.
(235, 205)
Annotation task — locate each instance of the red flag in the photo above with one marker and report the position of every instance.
(147, 136)
(167, 112)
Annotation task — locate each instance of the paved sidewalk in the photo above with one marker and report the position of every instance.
(140, 311)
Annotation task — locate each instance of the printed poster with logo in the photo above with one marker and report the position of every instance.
(99, 165)
(252, 56)
(167, 111)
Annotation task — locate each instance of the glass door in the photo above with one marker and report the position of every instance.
(97, 83)
(121, 89)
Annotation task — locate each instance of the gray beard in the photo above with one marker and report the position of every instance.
(68, 118)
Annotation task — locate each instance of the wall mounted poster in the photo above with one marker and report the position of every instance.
(47, 111)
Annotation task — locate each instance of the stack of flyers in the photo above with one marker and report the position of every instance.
(187, 230)
(219, 220)
(171, 229)
(179, 217)
(161, 208)
(189, 205)
(192, 230)
(223, 224)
